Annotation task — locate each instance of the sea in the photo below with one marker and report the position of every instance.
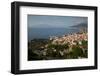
(45, 33)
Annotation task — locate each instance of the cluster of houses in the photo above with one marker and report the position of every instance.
(71, 39)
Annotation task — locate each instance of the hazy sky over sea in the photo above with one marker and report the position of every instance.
(47, 21)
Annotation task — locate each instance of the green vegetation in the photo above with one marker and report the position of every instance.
(42, 49)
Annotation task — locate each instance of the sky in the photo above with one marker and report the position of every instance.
(47, 21)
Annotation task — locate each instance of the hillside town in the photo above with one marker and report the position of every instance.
(71, 46)
(71, 39)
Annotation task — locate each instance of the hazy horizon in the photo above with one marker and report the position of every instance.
(50, 21)
(44, 26)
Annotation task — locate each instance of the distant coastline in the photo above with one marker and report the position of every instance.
(45, 33)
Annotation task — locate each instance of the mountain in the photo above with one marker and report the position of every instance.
(80, 25)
